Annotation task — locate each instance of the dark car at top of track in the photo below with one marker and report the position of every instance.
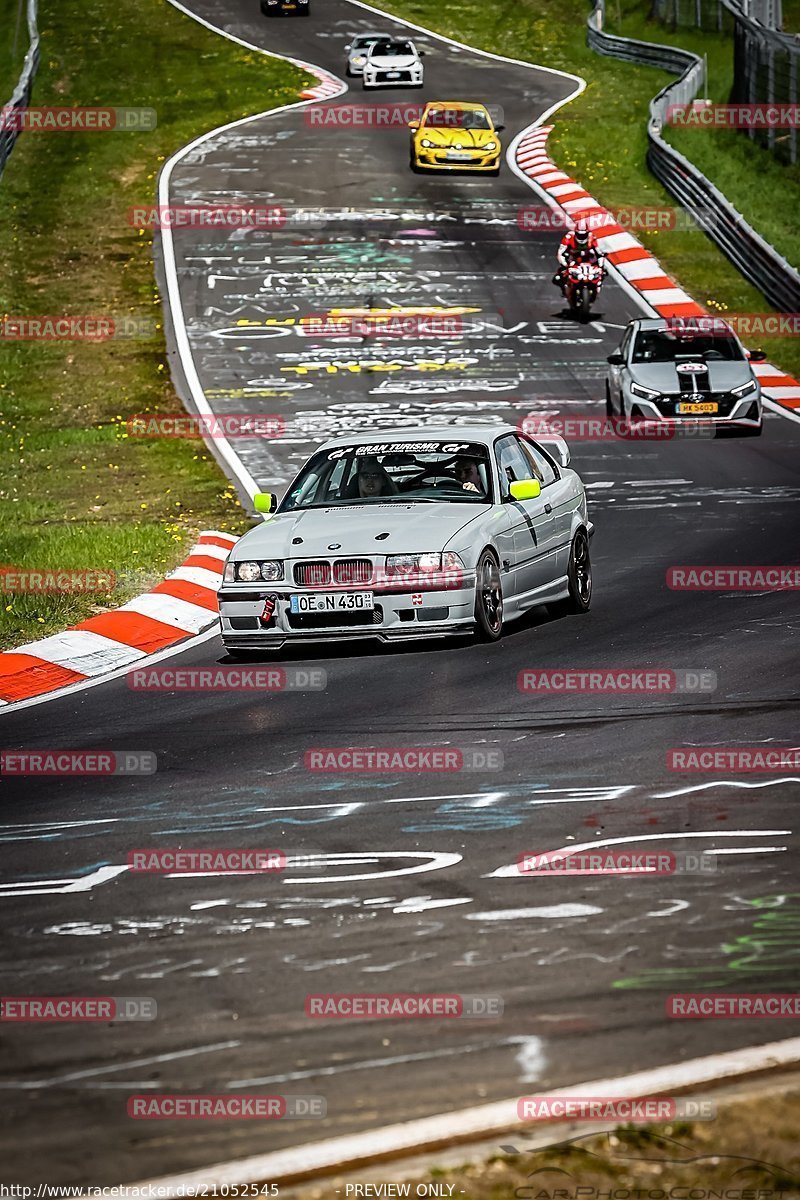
(286, 8)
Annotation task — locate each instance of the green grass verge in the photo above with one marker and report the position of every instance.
(75, 491)
(748, 1150)
(600, 137)
(13, 44)
(766, 192)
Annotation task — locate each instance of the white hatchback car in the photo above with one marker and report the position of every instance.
(393, 62)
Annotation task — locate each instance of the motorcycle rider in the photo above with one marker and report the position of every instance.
(578, 243)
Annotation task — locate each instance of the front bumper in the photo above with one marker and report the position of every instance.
(398, 616)
(434, 160)
(742, 411)
(380, 79)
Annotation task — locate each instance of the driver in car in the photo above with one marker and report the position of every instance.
(468, 475)
(373, 480)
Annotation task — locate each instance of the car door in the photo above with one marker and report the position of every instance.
(531, 521)
(616, 372)
(559, 496)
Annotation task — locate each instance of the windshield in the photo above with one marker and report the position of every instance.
(661, 346)
(363, 40)
(393, 473)
(392, 49)
(457, 118)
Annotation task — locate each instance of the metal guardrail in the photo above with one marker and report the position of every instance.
(22, 92)
(759, 262)
(766, 61)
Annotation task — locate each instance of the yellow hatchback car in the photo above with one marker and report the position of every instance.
(452, 135)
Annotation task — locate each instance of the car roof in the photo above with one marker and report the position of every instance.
(462, 104)
(485, 434)
(648, 323)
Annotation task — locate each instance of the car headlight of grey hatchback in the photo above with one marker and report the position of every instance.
(645, 393)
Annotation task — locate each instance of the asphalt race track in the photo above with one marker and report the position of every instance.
(407, 892)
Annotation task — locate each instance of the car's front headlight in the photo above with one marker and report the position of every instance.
(427, 143)
(423, 564)
(645, 393)
(490, 146)
(252, 572)
(359, 60)
(744, 389)
(248, 572)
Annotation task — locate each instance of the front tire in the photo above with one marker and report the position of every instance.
(579, 577)
(488, 599)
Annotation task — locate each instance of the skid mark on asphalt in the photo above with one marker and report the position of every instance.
(73, 1078)
(529, 1059)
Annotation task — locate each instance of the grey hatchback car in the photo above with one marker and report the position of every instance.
(685, 371)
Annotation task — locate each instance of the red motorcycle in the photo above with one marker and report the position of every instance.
(581, 282)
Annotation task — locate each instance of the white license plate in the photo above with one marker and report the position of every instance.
(687, 407)
(332, 602)
(458, 156)
(392, 74)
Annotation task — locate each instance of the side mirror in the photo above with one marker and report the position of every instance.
(616, 359)
(757, 355)
(422, 53)
(413, 125)
(265, 502)
(524, 489)
(557, 447)
(349, 46)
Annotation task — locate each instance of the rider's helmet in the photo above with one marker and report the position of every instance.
(581, 235)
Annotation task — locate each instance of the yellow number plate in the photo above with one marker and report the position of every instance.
(686, 407)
